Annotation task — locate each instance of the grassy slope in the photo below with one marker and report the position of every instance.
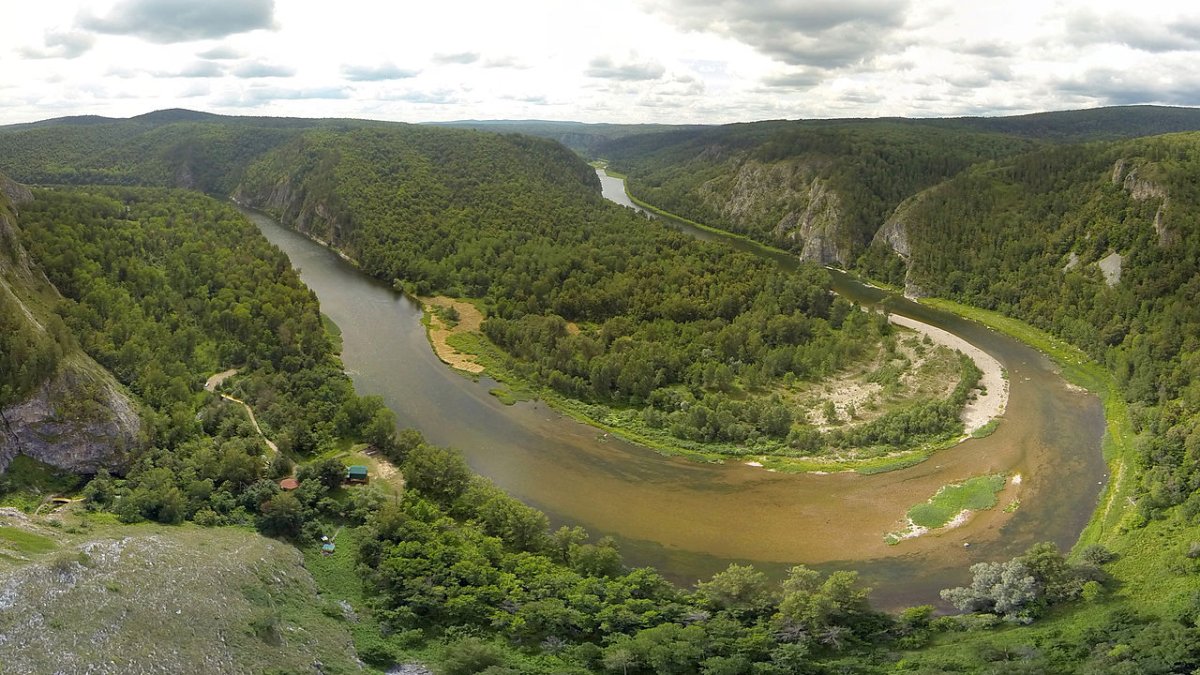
(138, 598)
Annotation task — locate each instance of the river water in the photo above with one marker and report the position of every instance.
(690, 519)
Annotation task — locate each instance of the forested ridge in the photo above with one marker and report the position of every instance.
(698, 341)
(1040, 225)
(458, 568)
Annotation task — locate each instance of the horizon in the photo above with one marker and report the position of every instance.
(623, 62)
(578, 122)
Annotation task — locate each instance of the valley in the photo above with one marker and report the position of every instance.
(622, 324)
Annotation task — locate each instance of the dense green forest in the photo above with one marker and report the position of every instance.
(699, 345)
(31, 346)
(790, 183)
(166, 287)
(584, 297)
(1041, 224)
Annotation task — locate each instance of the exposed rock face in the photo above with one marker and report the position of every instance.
(894, 234)
(296, 209)
(17, 194)
(804, 210)
(1142, 189)
(80, 420)
(1110, 267)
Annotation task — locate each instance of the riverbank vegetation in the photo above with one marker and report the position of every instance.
(682, 344)
(456, 572)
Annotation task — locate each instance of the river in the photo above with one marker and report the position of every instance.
(690, 519)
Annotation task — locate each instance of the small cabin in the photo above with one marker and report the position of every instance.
(356, 474)
(328, 548)
(289, 484)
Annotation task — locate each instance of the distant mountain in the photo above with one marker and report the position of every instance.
(1094, 124)
(581, 137)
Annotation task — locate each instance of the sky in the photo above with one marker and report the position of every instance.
(621, 61)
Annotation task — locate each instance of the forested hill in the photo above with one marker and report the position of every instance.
(166, 148)
(1099, 244)
(817, 188)
(822, 188)
(586, 139)
(56, 404)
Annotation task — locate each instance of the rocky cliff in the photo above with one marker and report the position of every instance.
(79, 420)
(790, 200)
(295, 207)
(60, 406)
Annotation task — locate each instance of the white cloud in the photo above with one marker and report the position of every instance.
(618, 61)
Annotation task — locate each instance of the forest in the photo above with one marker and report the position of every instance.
(1041, 223)
(165, 287)
(585, 298)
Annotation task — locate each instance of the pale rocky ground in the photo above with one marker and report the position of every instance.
(154, 599)
(986, 405)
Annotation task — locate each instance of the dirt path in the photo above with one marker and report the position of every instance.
(986, 406)
(469, 321)
(215, 381)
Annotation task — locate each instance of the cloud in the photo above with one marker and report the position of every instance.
(604, 67)
(61, 45)
(802, 78)
(1115, 87)
(461, 58)
(1181, 34)
(816, 33)
(166, 21)
(253, 97)
(201, 69)
(435, 97)
(220, 53)
(260, 69)
(382, 72)
(505, 62)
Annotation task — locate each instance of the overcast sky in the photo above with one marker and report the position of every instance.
(709, 61)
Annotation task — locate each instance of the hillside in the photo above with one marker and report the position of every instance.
(57, 405)
(822, 188)
(819, 189)
(83, 594)
(1098, 244)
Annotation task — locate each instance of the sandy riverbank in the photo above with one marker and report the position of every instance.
(469, 320)
(986, 406)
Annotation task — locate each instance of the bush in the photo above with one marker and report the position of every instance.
(1097, 554)
(470, 656)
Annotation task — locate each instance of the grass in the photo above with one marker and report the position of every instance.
(27, 482)
(333, 331)
(987, 429)
(512, 396)
(337, 577)
(975, 494)
(25, 542)
(153, 597)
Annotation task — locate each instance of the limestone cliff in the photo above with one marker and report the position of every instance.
(294, 206)
(1130, 176)
(59, 406)
(80, 420)
(894, 235)
(789, 197)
